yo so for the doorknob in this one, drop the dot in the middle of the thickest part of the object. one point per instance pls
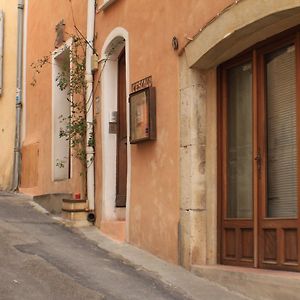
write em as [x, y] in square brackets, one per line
[258, 159]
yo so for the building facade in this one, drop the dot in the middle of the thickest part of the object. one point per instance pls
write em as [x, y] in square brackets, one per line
[47, 164]
[196, 125]
[219, 184]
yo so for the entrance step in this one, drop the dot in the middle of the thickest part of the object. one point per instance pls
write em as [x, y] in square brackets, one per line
[52, 202]
[114, 229]
[257, 284]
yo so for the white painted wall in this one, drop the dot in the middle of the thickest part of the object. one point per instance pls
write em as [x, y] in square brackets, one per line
[113, 45]
[109, 141]
[60, 106]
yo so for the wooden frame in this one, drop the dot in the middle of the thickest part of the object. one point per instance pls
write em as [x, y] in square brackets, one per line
[142, 108]
[279, 227]
[229, 224]
[121, 130]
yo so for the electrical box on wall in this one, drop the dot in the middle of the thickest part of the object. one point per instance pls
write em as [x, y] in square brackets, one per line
[113, 122]
[113, 116]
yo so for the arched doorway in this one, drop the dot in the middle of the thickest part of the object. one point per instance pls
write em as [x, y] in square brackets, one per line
[115, 145]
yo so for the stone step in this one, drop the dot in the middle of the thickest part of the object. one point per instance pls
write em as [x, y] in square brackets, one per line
[254, 283]
[114, 229]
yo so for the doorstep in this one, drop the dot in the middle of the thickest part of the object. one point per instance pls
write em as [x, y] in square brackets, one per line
[257, 284]
[115, 230]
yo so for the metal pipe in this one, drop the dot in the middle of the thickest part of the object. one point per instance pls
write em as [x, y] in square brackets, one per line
[17, 154]
[90, 106]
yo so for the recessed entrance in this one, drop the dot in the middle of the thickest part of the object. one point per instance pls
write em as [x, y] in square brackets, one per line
[259, 115]
[114, 132]
[121, 180]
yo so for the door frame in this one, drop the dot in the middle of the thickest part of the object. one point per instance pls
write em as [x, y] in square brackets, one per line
[255, 54]
[106, 104]
[290, 37]
[121, 198]
[232, 224]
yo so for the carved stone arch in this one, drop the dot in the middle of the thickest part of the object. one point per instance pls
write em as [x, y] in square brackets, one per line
[238, 28]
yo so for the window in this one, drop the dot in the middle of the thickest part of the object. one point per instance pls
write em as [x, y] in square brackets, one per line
[60, 111]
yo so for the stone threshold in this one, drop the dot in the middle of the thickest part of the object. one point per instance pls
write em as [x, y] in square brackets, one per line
[254, 283]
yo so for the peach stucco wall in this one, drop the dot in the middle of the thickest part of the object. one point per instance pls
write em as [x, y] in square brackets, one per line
[154, 194]
[42, 19]
[7, 99]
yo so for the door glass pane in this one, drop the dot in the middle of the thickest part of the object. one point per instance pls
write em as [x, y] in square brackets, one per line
[239, 203]
[281, 133]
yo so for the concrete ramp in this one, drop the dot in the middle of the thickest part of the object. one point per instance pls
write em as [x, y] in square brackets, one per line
[52, 202]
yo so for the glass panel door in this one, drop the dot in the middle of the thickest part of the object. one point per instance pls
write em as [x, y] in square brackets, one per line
[278, 228]
[237, 171]
[239, 203]
[259, 156]
[281, 133]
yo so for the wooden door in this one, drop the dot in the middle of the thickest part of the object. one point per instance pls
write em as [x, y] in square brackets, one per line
[259, 124]
[278, 104]
[236, 165]
[121, 180]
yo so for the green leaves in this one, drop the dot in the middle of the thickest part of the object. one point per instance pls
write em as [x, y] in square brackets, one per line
[72, 80]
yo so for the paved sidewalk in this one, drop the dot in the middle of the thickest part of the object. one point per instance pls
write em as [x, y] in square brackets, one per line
[169, 274]
[46, 260]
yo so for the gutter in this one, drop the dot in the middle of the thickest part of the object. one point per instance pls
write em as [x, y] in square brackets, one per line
[17, 150]
[90, 104]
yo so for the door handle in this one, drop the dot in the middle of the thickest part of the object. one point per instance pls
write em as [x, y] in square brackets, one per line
[258, 159]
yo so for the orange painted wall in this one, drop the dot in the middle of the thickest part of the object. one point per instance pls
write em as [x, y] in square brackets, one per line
[154, 201]
[42, 19]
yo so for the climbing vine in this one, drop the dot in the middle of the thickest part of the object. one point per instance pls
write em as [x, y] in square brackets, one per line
[71, 79]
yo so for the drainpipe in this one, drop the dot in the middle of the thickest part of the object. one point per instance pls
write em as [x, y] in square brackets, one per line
[17, 151]
[90, 106]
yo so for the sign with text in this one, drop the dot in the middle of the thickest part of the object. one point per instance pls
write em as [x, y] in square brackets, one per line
[141, 84]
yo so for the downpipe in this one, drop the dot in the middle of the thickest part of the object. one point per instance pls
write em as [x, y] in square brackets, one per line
[17, 149]
[90, 112]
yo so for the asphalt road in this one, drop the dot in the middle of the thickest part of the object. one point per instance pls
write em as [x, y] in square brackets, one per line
[42, 259]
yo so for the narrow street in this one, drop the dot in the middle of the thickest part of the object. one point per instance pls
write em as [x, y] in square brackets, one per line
[42, 259]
